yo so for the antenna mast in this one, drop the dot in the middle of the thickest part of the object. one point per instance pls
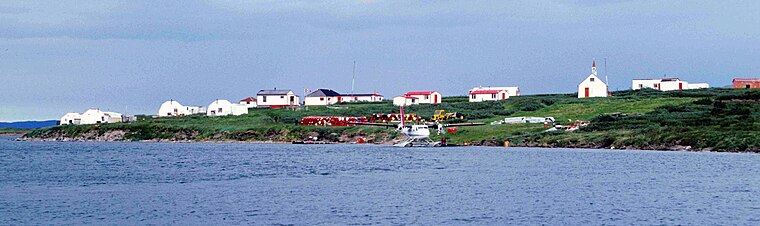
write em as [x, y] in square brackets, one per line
[606, 79]
[353, 78]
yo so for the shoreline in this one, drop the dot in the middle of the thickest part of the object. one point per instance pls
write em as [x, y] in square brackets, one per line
[658, 148]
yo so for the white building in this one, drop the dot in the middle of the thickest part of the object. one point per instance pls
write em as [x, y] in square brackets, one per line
[249, 102]
[479, 94]
[666, 84]
[172, 108]
[224, 107]
[592, 86]
[96, 116]
[405, 100]
[322, 97]
[373, 97]
[277, 98]
[71, 118]
[425, 97]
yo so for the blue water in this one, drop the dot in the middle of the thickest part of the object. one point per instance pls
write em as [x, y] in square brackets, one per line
[163, 183]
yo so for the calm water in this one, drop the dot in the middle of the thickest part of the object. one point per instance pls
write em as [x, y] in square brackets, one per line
[157, 183]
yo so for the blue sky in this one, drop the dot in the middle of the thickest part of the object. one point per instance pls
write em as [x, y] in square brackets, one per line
[63, 56]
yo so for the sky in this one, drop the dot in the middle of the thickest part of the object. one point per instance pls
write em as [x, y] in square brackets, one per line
[130, 56]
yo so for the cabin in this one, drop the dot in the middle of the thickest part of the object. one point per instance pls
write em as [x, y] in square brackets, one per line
[666, 84]
[96, 116]
[425, 97]
[405, 100]
[746, 83]
[224, 107]
[323, 97]
[480, 94]
[277, 99]
[172, 108]
[592, 86]
[249, 102]
[71, 118]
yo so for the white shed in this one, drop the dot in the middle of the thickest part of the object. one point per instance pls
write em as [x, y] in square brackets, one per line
[249, 102]
[71, 118]
[592, 86]
[224, 107]
[405, 100]
[425, 97]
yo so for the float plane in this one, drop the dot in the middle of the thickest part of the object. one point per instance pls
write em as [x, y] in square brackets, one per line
[416, 135]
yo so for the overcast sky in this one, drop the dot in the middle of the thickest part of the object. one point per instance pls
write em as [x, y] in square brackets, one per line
[62, 56]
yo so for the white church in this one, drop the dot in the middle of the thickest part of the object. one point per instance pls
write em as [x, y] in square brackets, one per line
[592, 86]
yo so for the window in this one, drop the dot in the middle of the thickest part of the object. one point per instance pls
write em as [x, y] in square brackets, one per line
[493, 96]
[264, 99]
[282, 97]
[247, 102]
[747, 86]
[473, 96]
[427, 97]
[321, 98]
[220, 110]
[591, 79]
[641, 86]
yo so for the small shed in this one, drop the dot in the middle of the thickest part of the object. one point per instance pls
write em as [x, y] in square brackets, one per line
[405, 100]
[746, 83]
[249, 102]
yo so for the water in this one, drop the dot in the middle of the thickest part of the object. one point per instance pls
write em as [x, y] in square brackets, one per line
[160, 183]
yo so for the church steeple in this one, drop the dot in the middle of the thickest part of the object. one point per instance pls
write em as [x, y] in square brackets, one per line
[593, 67]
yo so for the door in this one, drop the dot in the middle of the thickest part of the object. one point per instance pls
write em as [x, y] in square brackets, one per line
[435, 99]
[292, 100]
[587, 92]
[503, 96]
[680, 86]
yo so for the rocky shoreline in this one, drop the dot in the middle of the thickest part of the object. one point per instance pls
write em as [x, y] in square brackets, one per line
[118, 136]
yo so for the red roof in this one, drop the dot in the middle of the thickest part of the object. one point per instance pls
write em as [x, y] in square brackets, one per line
[746, 79]
[494, 91]
[428, 92]
[249, 99]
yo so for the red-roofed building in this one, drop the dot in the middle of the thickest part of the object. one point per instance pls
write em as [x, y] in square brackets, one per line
[480, 94]
[426, 97]
[249, 102]
[746, 83]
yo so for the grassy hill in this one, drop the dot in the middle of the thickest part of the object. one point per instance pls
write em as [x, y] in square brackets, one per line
[708, 119]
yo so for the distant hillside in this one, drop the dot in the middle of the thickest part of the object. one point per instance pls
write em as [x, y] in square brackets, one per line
[28, 124]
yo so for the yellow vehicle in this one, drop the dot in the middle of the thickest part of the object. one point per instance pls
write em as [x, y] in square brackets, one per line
[441, 115]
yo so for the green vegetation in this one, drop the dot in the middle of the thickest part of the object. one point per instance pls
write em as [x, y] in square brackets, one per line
[13, 131]
[708, 119]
